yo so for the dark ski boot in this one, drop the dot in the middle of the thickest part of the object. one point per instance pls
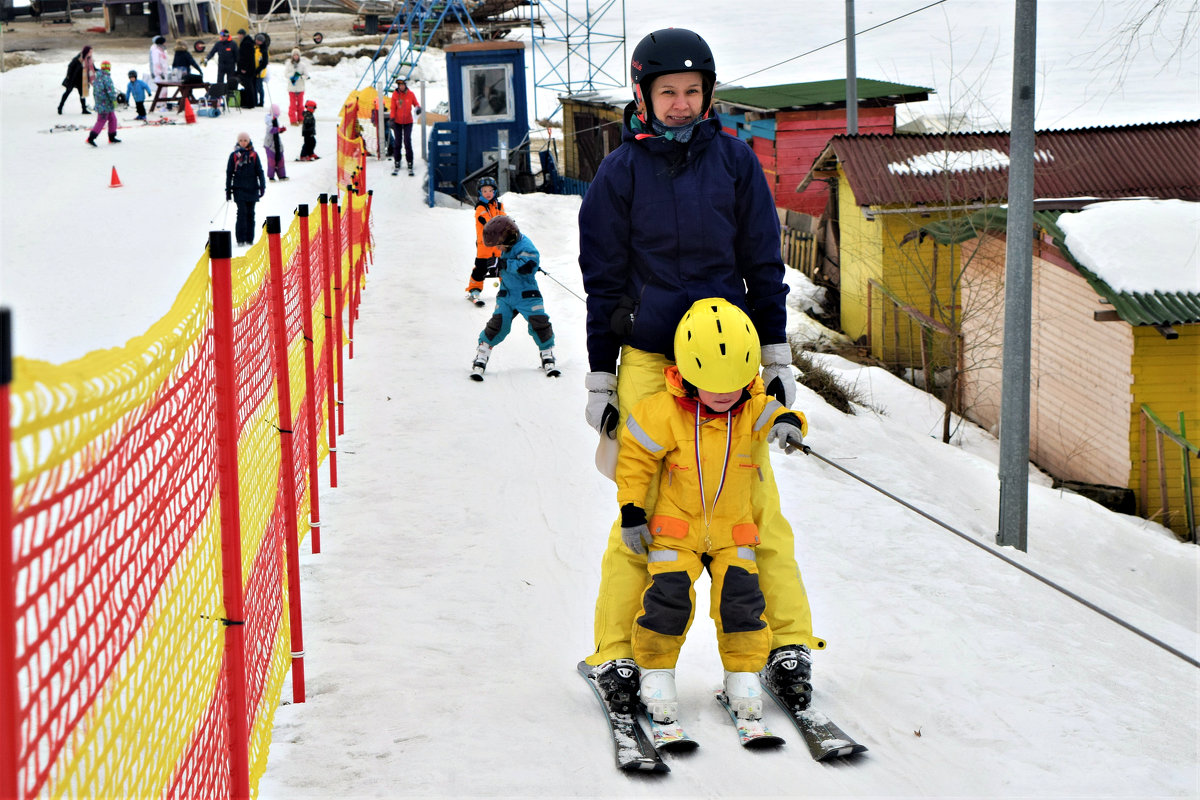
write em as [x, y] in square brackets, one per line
[619, 683]
[788, 675]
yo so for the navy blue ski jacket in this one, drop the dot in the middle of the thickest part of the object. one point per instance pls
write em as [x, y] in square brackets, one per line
[665, 224]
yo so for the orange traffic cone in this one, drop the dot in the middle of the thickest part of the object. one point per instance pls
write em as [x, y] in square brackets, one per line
[189, 116]
[115, 183]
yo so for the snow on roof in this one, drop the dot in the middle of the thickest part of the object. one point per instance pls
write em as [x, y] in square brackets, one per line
[1138, 245]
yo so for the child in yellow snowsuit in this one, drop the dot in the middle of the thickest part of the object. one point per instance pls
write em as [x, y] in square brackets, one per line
[699, 431]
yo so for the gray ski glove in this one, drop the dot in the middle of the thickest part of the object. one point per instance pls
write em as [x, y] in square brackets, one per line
[634, 532]
[777, 372]
[601, 411]
[788, 433]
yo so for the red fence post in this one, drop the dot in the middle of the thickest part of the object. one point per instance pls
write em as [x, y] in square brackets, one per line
[353, 270]
[220, 252]
[327, 277]
[287, 457]
[338, 289]
[10, 702]
[313, 403]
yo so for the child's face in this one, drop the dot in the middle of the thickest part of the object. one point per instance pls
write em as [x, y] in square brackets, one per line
[677, 99]
[719, 401]
[488, 192]
[243, 141]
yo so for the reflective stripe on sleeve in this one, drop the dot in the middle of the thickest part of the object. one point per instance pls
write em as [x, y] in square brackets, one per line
[747, 553]
[669, 555]
[765, 416]
[642, 438]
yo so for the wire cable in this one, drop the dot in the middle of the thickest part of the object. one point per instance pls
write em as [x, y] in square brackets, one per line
[1011, 562]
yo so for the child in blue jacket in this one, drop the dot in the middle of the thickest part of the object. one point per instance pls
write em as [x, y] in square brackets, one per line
[137, 91]
[519, 294]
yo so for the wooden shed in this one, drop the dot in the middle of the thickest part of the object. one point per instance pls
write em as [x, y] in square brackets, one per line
[788, 126]
[1115, 376]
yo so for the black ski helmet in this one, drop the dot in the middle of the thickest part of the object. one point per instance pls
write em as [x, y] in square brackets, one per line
[672, 50]
[488, 181]
[501, 230]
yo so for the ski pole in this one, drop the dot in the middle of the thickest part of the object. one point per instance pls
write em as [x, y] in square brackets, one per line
[223, 206]
[560, 283]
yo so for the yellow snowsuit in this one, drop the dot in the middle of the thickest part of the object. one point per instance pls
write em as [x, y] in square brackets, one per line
[702, 518]
[623, 574]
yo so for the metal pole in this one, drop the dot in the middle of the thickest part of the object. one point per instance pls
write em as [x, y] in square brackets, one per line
[1014, 393]
[424, 134]
[502, 166]
[851, 73]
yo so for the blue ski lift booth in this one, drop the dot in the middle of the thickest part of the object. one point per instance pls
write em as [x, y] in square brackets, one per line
[489, 120]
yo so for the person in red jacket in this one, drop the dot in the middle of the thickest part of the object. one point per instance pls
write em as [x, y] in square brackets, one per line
[400, 110]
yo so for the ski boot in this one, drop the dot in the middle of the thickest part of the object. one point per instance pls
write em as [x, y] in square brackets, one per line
[410, 170]
[482, 353]
[112, 139]
[92, 140]
[618, 684]
[659, 696]
[396, 170]
[548, 363]
[744, 693]
[788, 674]
[474, 297]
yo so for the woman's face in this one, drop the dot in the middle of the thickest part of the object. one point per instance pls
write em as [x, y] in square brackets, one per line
[678, 98]
[243, 141]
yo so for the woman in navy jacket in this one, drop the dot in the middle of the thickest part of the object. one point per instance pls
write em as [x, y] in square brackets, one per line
[245, 185]
[679, 212]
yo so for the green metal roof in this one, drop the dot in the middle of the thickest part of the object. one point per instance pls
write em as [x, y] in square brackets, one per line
[1136, 308]
[820, 94]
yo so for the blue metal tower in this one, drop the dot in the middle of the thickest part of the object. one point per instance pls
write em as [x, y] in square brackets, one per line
[413, 28]
[577, 52]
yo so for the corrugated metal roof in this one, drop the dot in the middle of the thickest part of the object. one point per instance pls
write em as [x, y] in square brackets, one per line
[1136, 308]
[820, 94]
[1159, 160]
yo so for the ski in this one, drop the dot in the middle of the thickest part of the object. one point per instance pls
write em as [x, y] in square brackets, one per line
[670, 737]
[825, 740]
[633, 748]
[551, 371]
[752, 733]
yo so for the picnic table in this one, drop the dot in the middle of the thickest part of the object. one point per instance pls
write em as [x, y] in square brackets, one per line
[176, 91]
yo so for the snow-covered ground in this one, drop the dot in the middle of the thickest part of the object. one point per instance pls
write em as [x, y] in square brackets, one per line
[461, 550]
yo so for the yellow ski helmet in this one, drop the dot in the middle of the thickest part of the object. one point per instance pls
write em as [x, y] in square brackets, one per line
[716, 346]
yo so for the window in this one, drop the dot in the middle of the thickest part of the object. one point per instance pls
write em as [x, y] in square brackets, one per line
[487, 93]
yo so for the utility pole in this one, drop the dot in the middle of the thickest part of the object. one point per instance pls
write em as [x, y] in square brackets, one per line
[1018, 289]
[851, 73]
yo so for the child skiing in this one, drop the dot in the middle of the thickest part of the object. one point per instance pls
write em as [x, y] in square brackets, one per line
[486, 207]
[693, 440]
[245, 185]
[401, 107]
[273, 144]
[106, 104]
[309, 131]
[519, 294]
[137, 91]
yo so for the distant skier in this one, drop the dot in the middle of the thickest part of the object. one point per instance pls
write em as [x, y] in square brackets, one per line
[401, 107]
[226, 54]
[106, 105]
[136, 92]
[296, 72]
[308, 129]
[691, 442]
[487, 206]
[519, 294]
[245, 185]
[273, 145]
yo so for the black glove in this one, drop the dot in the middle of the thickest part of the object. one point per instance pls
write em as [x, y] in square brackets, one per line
[228, 195]
[261, 192]
[634, 531]
[527, 268]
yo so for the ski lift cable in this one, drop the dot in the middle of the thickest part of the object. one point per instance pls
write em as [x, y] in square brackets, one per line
[1011, 562]
[837, 41]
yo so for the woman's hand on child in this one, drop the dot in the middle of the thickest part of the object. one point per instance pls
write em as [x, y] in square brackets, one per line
[601, 412]
[777, 372]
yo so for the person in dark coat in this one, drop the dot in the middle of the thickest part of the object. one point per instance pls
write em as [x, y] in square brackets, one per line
[245, 185]
[247, 68]
[80, 74]
[184, 60]
[226, 54]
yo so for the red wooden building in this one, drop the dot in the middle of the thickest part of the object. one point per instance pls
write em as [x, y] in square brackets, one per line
[789, 125]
